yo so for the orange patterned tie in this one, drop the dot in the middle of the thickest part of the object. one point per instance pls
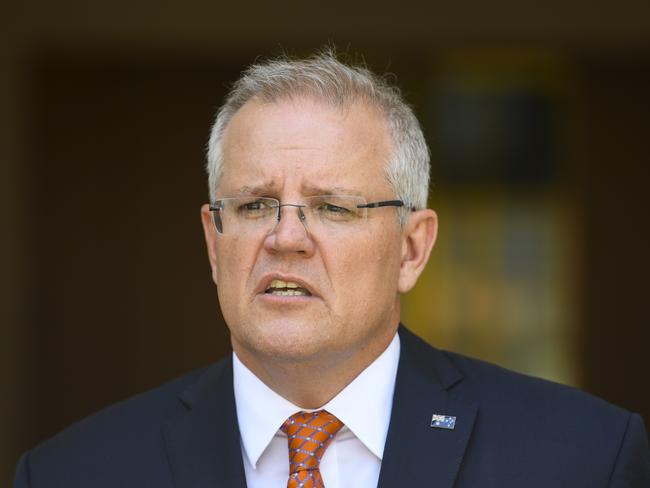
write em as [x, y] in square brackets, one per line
[309, 435]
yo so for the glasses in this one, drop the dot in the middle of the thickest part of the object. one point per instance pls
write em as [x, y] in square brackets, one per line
[260, 215]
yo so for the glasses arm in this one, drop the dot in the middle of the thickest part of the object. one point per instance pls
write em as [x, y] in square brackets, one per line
[385, 203]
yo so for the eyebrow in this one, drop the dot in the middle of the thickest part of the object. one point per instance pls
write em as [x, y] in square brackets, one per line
[309, 190]
[333, 190]
[258, 190]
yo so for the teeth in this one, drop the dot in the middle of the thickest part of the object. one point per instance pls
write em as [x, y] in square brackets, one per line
[288, 293]
[286, 289]
[283, 284]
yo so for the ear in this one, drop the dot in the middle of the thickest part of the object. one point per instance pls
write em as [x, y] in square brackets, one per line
[210, 234]
[418, 238]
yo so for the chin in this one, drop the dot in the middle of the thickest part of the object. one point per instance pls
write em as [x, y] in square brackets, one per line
[286, 340]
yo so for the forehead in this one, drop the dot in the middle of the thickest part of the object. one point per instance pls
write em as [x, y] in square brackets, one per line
[306, 143]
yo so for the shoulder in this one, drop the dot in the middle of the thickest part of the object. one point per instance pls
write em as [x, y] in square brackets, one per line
[131, 417]
[496, 387]
[124, 437]
[506, 389]
[536, 423]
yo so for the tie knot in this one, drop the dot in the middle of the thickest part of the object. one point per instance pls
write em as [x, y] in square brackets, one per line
[309, 434]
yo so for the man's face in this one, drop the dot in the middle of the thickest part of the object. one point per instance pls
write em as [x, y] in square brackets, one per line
[290, 150]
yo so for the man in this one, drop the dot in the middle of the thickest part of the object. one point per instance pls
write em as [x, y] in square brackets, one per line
[318, 177]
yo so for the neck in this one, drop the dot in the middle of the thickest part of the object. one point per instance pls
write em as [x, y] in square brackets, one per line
[310, 383]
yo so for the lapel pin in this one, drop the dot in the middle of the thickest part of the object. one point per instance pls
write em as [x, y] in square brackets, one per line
[443, 422]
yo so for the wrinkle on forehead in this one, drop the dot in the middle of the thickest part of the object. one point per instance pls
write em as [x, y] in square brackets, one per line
[307, 189]
[301, 112]
[315, 148]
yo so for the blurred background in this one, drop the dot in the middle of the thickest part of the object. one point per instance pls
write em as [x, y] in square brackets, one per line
[537, 118]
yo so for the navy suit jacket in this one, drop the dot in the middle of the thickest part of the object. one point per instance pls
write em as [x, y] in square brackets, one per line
[511, 431]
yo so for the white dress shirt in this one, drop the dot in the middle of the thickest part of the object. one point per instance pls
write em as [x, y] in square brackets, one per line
[354, 456]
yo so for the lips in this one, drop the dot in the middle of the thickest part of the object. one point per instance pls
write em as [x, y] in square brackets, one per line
[285, 287]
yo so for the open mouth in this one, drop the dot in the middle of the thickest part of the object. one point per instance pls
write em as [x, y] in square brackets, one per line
[286, 289]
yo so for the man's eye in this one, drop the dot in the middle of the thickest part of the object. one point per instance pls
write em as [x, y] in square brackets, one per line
[336, 213]
[253, 206]
[334, 209]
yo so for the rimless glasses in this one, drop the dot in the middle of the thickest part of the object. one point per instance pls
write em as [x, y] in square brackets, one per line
[260, 215]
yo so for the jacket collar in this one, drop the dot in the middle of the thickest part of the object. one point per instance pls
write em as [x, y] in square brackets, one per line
[427, 384]
[203, 441]
[201, 433]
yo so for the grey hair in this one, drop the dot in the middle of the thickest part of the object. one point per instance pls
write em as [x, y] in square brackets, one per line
[325, 78]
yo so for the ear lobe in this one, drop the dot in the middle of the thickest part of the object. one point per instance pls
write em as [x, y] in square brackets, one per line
[210, 234]
[419, 237]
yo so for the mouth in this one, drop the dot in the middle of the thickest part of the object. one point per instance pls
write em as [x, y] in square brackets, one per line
[283, 288]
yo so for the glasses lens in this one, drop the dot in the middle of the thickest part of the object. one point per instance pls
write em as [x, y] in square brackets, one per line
[337, 209]
[217, 212]
[244, 215]
[253, 215]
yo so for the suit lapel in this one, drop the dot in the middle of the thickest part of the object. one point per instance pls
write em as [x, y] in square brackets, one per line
[202, 434]
[416, 453]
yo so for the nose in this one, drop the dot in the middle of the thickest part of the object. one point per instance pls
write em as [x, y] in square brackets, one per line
[290, 233]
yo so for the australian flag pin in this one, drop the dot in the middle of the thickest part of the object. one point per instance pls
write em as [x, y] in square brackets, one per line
[443, 422]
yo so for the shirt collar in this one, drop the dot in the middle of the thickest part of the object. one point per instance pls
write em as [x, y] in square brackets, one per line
[364, 406]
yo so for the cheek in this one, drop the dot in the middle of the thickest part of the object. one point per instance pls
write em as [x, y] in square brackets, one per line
[232, 274]
[234, 261]
[369, 274]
